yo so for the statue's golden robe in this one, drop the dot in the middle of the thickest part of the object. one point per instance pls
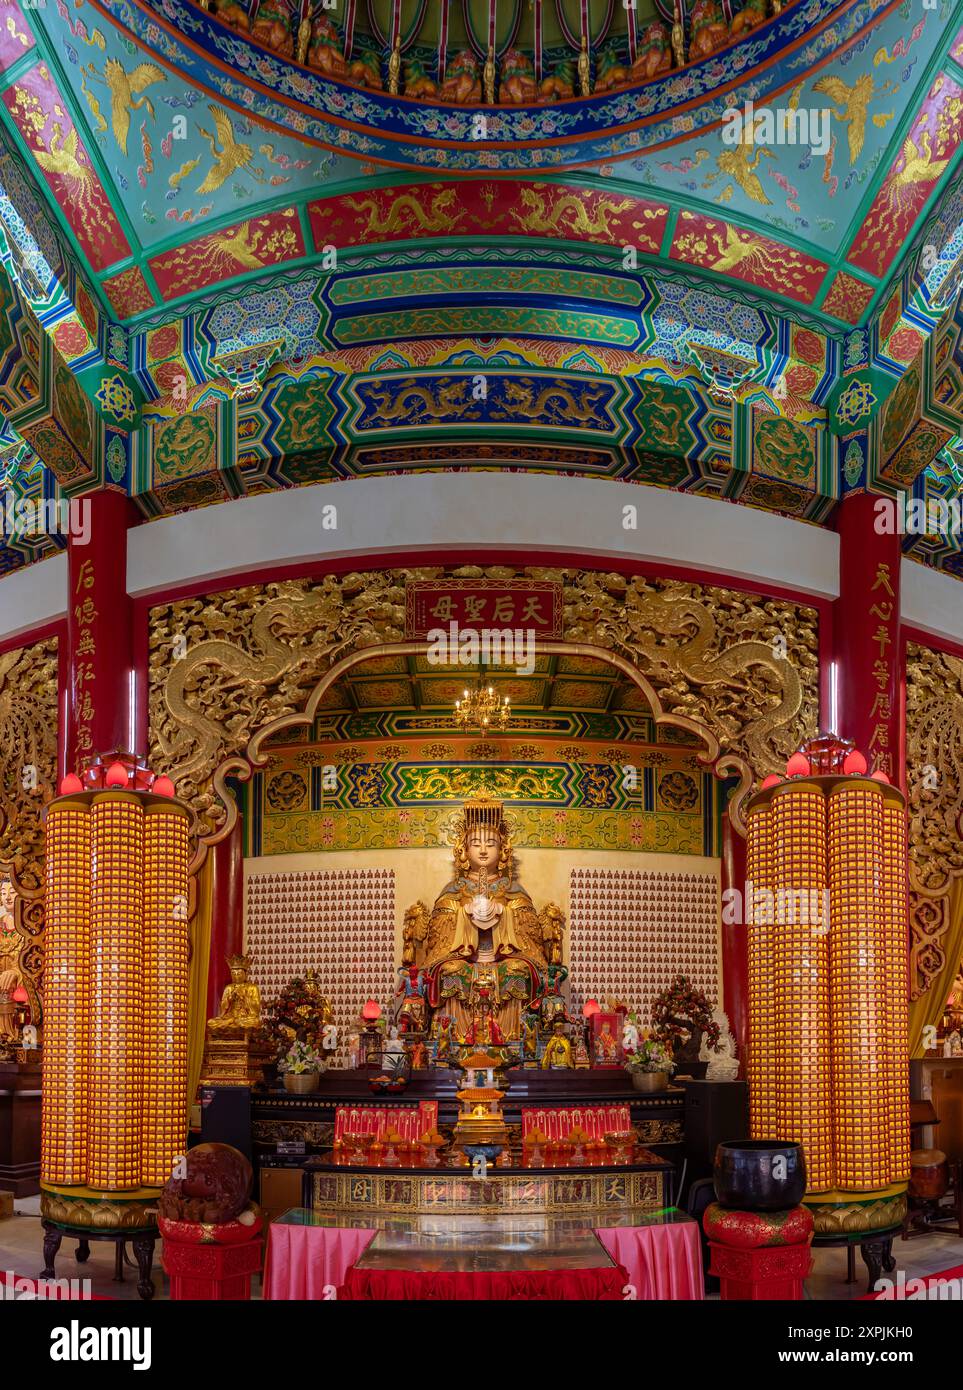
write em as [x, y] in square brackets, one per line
[451, 932]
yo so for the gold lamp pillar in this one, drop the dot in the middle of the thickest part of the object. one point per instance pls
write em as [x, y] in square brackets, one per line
[828, 993]
[115, 1103]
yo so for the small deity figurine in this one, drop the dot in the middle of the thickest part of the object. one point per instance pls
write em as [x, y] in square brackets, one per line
[551, 1003]
[518, 85]
[414, 932]
[489, 72]
[10, 945]
[606, 1048]
[708, 27]
[462, 83]
[584, 70]
[411, 1014]
[722, 1060]
[394, 71]
[446, 1040]
[678, 36]
[393, 1050]
[551, 920]
[323, 51]
[419, 1055]
[558, 1049]
[240, 1002]
[612, 73]
[581, 1049]
[273, 26]
[484, 1030]
[630, 1037]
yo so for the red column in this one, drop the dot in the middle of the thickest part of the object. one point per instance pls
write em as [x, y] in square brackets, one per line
[735, 953]
[101, 688]
[866, 645]
[227, 912]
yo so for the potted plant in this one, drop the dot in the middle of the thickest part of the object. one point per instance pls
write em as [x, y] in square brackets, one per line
[650, 1066]
[300, 1067]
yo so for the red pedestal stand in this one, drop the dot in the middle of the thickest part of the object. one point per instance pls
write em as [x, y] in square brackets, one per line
[211, 1262]
[758, 1255]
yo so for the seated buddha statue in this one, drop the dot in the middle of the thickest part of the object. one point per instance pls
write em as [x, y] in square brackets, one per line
[240, 1002]
[484, 944]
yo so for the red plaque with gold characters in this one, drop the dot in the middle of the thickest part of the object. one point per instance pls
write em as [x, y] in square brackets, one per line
[534, 605]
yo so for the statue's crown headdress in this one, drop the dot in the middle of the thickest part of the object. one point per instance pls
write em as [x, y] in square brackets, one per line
[239, 962]
[483, 811]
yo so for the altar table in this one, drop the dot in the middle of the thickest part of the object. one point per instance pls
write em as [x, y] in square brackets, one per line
[602, 1283]
[663, 1261]
[654, 1255]
[310, 1261]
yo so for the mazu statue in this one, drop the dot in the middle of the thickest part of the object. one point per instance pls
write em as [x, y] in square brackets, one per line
[483, 955]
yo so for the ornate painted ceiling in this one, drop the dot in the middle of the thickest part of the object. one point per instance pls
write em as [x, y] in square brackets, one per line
[273, 244]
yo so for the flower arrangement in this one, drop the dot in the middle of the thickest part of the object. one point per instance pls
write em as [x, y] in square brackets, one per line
[651, 1055]
[301, 1059]
[682, 1016]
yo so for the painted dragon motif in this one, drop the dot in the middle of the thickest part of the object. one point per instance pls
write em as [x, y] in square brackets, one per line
[576, 406]
[409, 214]
[569, 215]
[416, 404]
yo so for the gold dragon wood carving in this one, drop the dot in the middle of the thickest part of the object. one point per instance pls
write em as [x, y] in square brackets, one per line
[934, 755]
[226, 665]
[28, 756]
[29, 708]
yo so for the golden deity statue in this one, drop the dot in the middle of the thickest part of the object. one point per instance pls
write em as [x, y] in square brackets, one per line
[584, 69]
[240, 1002]
[558, 1049]
[394, 71]
[488, 77]
[10, 977]
[483, 952]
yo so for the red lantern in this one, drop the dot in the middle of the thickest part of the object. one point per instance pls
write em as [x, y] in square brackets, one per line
[880, 777]
[798, 766]
[163, 786]
[772, 780]
[591, 1007]
[116, 776]
[71, 785]
[854, 762]
[371, 1011]
[20, 995]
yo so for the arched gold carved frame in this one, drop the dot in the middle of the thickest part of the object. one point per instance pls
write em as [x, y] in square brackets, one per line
[242, 768]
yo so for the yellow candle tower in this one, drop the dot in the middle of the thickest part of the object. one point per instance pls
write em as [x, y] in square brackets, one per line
[115, 1099]
[828, 982]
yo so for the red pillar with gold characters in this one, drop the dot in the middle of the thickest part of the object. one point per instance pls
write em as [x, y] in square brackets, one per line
[103, 686]
[866, 660]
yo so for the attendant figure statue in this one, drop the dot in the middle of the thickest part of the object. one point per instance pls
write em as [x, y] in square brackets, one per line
[415, 931]
[552, 920]
[488, 77]
[394, 71]
[558, 1049]
[584, 70]
[411, 1014]
[240, 1002]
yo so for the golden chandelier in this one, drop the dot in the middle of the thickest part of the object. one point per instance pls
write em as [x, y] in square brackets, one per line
[480, 708]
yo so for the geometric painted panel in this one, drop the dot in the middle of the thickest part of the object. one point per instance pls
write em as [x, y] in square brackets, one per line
[340, 922]
[631, 931]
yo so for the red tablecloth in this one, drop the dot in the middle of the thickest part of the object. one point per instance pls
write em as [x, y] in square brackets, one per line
[663, 1262]
[603, 1283]
[310, 1262]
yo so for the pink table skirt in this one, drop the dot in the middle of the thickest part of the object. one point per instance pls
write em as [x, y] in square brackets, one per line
[310, 1262]
[663, 1262]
